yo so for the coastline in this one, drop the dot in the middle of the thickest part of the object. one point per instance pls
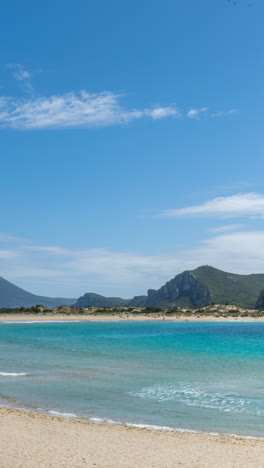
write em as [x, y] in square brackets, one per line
[31, 439]
[121, 317]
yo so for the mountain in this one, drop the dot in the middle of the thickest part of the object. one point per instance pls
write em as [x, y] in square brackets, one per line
[138, 301]
[185, 290]
[204, 285]
[190, 289]
[95, 300]
[260, 300]
[12, 296]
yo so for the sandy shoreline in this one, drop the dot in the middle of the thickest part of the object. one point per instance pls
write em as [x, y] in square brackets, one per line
[116, 318]
[30, 440]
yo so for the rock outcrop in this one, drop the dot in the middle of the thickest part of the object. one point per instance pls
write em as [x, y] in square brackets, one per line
[260, 300]
[184, 290]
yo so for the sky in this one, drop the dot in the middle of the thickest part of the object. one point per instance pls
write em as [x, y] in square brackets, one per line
[131, 142]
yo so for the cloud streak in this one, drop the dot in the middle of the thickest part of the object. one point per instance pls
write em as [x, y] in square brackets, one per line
[249, 205]
[225, 113]
[195, 113]
[226, 228]
[74, 110]
[80, 109]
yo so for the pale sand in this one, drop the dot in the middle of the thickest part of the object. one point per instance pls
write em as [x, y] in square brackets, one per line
[121, 317]
[32, 440]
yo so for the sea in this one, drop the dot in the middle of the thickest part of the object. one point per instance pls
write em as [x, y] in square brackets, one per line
[185, 376]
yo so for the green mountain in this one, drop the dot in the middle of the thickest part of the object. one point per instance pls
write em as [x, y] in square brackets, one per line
[204, 285]
[95, 300]
[190, 289]
[12, 296]
[231, 288]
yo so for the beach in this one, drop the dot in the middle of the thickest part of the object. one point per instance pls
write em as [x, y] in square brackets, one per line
[114, 393]
[30, 440]
[121, 317]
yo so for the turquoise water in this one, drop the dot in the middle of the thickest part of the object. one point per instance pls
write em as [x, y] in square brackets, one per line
[184, 375]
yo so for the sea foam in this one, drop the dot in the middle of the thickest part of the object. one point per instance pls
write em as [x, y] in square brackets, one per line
[62, 415]
[192, 395]
[13, 374]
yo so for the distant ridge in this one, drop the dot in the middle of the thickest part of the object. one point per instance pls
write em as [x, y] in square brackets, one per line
[11, 296]
[206, 284]
[193, 289]
[92, 299]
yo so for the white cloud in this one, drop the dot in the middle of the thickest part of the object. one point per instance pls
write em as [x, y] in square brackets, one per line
[239, 205]
[73, 110]
[225, 113]
[195, 113]
[161, 112]
[226, 228]
[22, 75]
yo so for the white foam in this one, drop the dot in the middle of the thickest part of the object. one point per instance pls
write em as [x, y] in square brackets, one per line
[151, 426]
[13, 374]
[39, 321]
[173, 429]
[139, 425]
[193, 395]
[63, 415]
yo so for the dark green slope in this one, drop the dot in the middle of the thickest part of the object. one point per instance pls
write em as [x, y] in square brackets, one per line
[230, 288]
[12, 296]
[204, 285]
[95, 300]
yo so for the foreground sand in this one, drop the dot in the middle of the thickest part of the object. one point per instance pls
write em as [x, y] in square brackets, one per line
[122, 317]
[30, 440]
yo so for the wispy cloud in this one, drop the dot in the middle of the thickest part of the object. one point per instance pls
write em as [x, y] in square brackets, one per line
[226, 228]
[239, 205]
[23, 76]
[80, 109]
[195, 113]
[225, 113]
[74, 110]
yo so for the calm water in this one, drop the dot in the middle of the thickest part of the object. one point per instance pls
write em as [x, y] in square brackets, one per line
[195, 376]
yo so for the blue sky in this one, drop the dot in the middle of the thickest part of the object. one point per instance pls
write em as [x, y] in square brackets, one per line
[131, 142]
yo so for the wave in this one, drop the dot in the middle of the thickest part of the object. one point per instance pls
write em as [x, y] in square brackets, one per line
[62, 415]
[196, 396]
[13, 374]
[170, 429]
[38, 321]
[94, 420]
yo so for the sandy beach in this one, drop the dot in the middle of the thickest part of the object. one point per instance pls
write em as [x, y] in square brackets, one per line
[30, 440]
[121, 317]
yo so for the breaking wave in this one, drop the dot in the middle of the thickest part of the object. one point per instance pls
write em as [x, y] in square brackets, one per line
[62, 415]
[13, 374]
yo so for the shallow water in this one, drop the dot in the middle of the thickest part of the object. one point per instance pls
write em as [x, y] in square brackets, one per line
[191, 376]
